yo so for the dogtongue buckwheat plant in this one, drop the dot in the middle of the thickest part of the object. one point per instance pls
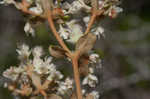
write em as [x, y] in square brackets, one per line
[37, 77]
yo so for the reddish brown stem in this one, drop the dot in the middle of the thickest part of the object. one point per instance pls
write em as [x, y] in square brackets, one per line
[95, 13]
[77, 77]
[59, 39]
[92, 20]
[74, 60]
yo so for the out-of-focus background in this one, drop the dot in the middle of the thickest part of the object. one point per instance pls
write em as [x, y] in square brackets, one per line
[125, 49]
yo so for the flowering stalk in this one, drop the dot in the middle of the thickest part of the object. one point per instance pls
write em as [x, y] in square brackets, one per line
[74, 59]
[95, 13]
[37, 75]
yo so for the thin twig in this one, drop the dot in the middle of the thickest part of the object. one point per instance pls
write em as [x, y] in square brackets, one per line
[24, 8]
[95, 12]
[92, 20]
[52, 26]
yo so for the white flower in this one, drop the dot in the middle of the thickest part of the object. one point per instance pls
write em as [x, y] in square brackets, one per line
[30, 1]
[58, 75]
[64, 32]
[76, 30]
[52, 68]
[55, 75]
[48, 61]
[7, 2]
[12, 73]
[118, 9]
[42, 67]
[65, 86]
[91, 70]
[99, 31]
[83, 91]
[23, 51]
[51, 77]
[69, 83]
[86, 20]
[28, 29]
[39, 65]
[5, 85]
[46, 67]
[101, 4]
[37, 10]
[95, 94]
[37, 51]
[91, 80]
[93, 57]
[113, 11]
[62, 88]
[75, 7]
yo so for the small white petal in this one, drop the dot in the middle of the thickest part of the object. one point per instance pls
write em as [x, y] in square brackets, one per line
[11, 73]
[64, 32]
[37, 51]
[86, 20]
[91, 70]
[38, 9]
[76, 31]
[93, 57]
[7, 2]
[28, 29]
[23, 51]
[90, 80]
[95, 94]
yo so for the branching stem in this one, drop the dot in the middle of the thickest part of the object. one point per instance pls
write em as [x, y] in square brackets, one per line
[92, 20]
[77, 77]
[73, 55]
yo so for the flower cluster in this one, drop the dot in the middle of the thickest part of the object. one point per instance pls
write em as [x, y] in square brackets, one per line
[65, 86]
[37, 74]
[33, 72]
[91, 79]
[74, 31]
